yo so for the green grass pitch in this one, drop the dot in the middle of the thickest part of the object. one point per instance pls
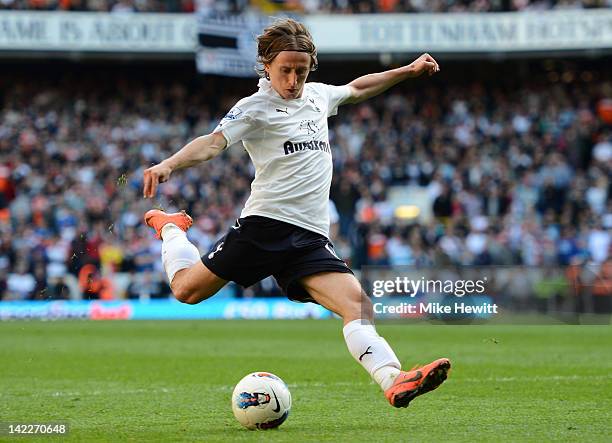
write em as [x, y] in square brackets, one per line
[172, 381]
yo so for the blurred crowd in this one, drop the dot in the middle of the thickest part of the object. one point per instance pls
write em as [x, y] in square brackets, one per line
[302, 6]
[509, 176]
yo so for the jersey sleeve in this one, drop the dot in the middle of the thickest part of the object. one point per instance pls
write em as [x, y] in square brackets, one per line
[335, 96]
[242, 121]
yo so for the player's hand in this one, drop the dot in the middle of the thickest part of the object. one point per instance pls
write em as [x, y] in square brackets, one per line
[159, 173]
[424, 64]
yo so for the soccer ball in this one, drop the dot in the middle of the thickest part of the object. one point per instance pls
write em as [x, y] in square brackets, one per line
[261, 401]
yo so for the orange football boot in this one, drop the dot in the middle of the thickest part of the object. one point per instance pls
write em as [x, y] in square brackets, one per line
[157, 219]
[418, 381]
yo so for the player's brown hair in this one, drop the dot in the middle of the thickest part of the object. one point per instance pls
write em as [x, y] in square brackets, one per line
[284, 35]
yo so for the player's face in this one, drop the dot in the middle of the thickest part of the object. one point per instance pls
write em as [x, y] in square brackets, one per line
[288, 73]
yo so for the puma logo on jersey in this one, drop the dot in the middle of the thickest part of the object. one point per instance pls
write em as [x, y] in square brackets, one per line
[283, 110]
[212, 254]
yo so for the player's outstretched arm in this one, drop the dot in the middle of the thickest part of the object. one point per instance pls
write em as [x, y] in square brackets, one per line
[373, 84]
[196, 151]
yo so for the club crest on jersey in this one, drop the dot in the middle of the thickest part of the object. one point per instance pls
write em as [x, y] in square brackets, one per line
[309, 127]
[312, 102]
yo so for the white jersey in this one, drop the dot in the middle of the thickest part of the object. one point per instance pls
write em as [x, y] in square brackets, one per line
[288, 143]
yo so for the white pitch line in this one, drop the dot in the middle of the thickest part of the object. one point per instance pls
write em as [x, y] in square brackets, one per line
[538, 378]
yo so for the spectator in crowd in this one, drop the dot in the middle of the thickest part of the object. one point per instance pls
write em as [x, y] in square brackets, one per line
[20, 284]
[146, 286]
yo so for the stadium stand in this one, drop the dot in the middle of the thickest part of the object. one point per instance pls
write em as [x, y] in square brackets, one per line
[303, 6]
[516, 171]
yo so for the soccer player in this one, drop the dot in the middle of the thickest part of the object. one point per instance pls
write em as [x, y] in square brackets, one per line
[284, 227]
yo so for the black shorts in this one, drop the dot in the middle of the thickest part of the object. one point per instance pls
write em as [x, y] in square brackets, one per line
[257, 247]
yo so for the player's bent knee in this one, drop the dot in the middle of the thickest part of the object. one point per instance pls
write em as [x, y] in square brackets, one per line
[181, 293]
[190, 295]
[187, 298]
[195, 284]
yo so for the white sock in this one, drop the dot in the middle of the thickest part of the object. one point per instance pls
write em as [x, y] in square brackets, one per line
[372, 352]
[177, 252]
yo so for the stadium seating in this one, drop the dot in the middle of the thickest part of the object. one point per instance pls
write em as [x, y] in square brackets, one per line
[303, 6]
